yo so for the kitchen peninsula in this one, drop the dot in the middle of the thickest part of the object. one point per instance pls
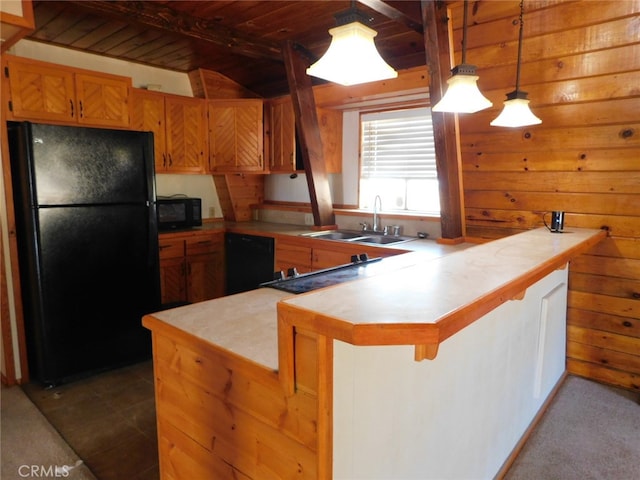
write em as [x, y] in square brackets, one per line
[434, 369]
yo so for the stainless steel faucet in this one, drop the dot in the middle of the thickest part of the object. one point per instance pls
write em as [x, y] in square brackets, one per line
[377, 203]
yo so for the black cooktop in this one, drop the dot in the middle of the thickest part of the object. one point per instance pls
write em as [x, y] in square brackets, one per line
[361, 267]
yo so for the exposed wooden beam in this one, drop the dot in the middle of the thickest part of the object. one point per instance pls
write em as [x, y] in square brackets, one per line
[393, 13]
[445, 132]
[161, 17]
[304, 108]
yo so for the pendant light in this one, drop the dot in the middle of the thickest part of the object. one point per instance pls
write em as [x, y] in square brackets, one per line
[463, 95]
[352, 57]
[516, 112]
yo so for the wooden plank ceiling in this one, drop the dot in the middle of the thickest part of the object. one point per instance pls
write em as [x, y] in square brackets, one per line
[239, 39]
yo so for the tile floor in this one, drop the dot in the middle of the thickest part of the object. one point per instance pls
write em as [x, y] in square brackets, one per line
[108, 419]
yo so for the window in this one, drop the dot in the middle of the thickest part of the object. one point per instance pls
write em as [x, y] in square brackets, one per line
[398, 161]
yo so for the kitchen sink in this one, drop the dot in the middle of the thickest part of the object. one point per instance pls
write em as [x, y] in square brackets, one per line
[382, 239]
[334, 235]
[358, 237]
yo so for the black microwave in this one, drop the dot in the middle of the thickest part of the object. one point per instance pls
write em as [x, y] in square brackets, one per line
[178, 212]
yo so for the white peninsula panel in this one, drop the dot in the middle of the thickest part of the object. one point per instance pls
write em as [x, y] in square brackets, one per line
[460, 415]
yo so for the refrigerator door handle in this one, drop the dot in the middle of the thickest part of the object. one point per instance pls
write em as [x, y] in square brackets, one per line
[152, 241]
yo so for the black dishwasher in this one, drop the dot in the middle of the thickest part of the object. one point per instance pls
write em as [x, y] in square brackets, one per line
[249, 261]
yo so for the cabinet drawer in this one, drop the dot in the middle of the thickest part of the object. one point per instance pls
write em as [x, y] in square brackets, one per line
[204, 244]
[171, 248]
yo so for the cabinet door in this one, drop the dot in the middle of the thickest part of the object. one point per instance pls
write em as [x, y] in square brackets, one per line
[282, 149]
[330, 125]
[283, 143]
[290, 255]
[330, 258]
[205, 267]
[41, 92]
[204, 277]
[235, 135]
[102, 100]
[186, 134]
[173, 280]
[172, 271]
[147, 115]
[340, 255]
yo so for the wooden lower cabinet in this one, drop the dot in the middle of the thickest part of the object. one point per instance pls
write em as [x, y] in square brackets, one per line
[306, 255]
[221, 416]
[191, 268]
[290, 254]
[326, 258]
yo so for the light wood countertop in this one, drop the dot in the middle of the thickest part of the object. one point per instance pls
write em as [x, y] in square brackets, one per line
[244, 324]
[430, 296]
[425, 303]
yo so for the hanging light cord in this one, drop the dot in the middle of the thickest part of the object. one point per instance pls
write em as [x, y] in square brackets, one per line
[464, 33]
[519, 47]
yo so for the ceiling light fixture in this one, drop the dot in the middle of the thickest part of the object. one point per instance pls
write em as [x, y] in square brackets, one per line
[352, 57]
[463, 95]
[516, 112]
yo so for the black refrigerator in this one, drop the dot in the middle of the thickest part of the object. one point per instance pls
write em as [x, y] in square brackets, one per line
[87, 245]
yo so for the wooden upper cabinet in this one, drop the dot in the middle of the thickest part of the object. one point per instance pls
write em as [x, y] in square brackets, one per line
[330, 125]
[235, 135]
[186, 133]
[282, 137]
[179, 127]
[39, 91]
[147, 115]
[45, 91]
[102, 100]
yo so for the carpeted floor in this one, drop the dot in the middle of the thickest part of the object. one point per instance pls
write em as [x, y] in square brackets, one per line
[31, 447]
[590, 431]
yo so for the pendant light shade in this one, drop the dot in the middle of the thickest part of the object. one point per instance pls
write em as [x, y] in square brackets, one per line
[352, 57]
[463, 94]
[516, 111]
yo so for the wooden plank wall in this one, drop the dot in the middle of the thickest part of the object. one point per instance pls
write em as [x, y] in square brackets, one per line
[581, 67]
[221, 416]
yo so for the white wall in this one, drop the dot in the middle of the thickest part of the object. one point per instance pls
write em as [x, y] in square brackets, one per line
[283, 188]
[460, 415]
[13, 7]
[141, 75]
[350, 151]
[199, 186]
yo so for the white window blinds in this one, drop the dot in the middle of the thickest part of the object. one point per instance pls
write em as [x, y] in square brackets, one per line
[398, 144]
